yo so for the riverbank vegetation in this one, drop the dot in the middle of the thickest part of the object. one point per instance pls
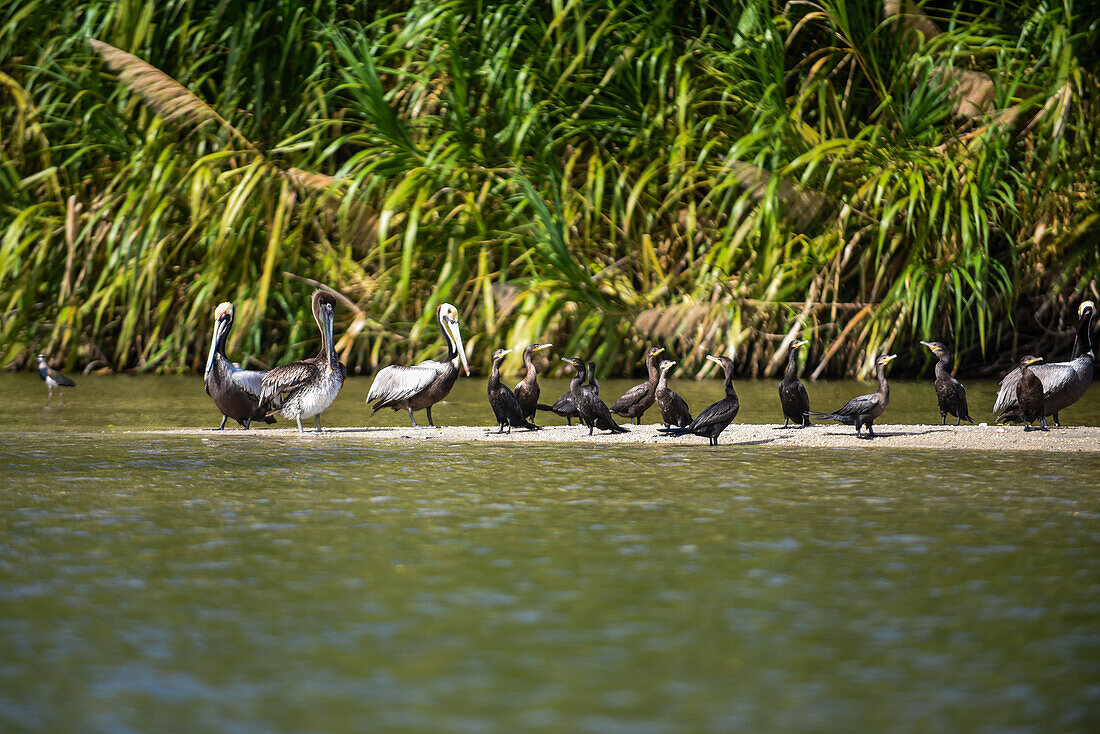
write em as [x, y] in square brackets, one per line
[711, 176]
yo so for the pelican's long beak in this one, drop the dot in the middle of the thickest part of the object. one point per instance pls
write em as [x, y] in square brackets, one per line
[221, 323]
[456, 334]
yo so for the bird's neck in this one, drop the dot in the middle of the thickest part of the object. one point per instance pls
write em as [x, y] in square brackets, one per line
[494, 375]
[792, 367]
[1082, 343]
[651, 369]
[942, 368]
[883, 385]
[529, 363]
[662, 381]
[730, 392]
[577, 381]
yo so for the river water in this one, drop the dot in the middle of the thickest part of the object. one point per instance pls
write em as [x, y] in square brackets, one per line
[183, 583]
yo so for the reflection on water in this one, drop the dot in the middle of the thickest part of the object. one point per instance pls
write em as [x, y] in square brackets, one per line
[285, 585]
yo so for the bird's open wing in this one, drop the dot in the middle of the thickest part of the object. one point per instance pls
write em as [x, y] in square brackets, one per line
[630, 397]
[396, 383]
[1054, 376]
[859, 406]
[251, 381]
[285, 378]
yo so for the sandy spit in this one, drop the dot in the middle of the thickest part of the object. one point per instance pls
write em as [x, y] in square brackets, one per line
[1078, 439]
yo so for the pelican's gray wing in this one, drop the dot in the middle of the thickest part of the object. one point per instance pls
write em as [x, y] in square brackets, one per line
[250, 381]
[285, 378]
[1054, 376]
[397, 383]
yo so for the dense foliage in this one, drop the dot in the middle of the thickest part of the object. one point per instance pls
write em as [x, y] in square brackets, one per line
[712, 176]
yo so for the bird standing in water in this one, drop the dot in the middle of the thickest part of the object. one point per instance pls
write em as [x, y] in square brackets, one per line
[638, 399]
[53, 379]
[305, 389]
[674, 409]
[235, 392]
[503, 401]
[949, 392]
[527, 391]
[1029, 395]
[792, 393]
[718, 415]
[863, 411]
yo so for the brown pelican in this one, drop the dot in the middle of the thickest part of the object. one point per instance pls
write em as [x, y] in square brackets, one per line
[527, 391]
[638, 399]
[949, 391]
[674, 409]
[863, 411]
[425, 384]
[1063, 382]
[593, 411]
[718, 415]
[235, 392]
[503, 401]
[792, 393]
[304, 389]
[1029, 395]
[53, 379]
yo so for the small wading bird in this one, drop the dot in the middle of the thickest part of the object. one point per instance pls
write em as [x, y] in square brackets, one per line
[53, 379]
[564, 406]
[1029, 395]
[527, 391]
[638, 399]
[792, 393]
[235, 392]
[863, 411]
[505, 405]
[592, 411]
[716, 416]
[305, 389]
[421, 386]
[674, 409]
[1063, 382]
[949, 392]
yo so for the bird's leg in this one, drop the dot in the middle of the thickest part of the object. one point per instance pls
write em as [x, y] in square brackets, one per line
[1056, 421]
[500, 428]
[958, 420]
[870, 431]
[247, 422]
[299, 419]
[590, 427]
[786, 420]
[430, 417]
[222, 426]
[943, 419]
[61, 393]
[1043, 421]
[509, 428]
[569, 420]
[50, 396]
[318, 416]
[411, 417]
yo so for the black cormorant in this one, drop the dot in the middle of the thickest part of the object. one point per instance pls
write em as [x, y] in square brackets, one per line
[715, 417]
[527, 391]
[674, 409]
[421, 386]
[949, 391]
[305, 389]
[863, 411]
[637, 400]
[592, 411]
[1063, 382]
[1029, 395]
[792, 393]
[235, 392]
[505, 406]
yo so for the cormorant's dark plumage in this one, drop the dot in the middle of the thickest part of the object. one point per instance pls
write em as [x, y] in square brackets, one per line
[674, 409]
[235, 392]
[592, 411]
[638, 399]
[863, 411]
[527, 391]
[949, 392]
[715, 417]
[505, 406]
[564, 406]
[1029, 395]
[792, 393]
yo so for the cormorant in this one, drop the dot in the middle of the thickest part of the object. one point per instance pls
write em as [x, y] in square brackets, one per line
[715, 417]
[592, 385]
[306, 388]
[505, 405]
[949, 391]
[1063, 382]
[674, 409]
[1029, 395]
[235, 392]
[639, 398]
[527, 391]
[592, 411]
[863, 411]
[564, 406]
[792, 393]
[53, 379]
[425, 384]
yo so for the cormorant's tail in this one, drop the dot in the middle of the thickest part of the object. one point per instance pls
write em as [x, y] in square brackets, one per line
[845, 419]
[548, 408]
[616, 428]
[674, 431]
